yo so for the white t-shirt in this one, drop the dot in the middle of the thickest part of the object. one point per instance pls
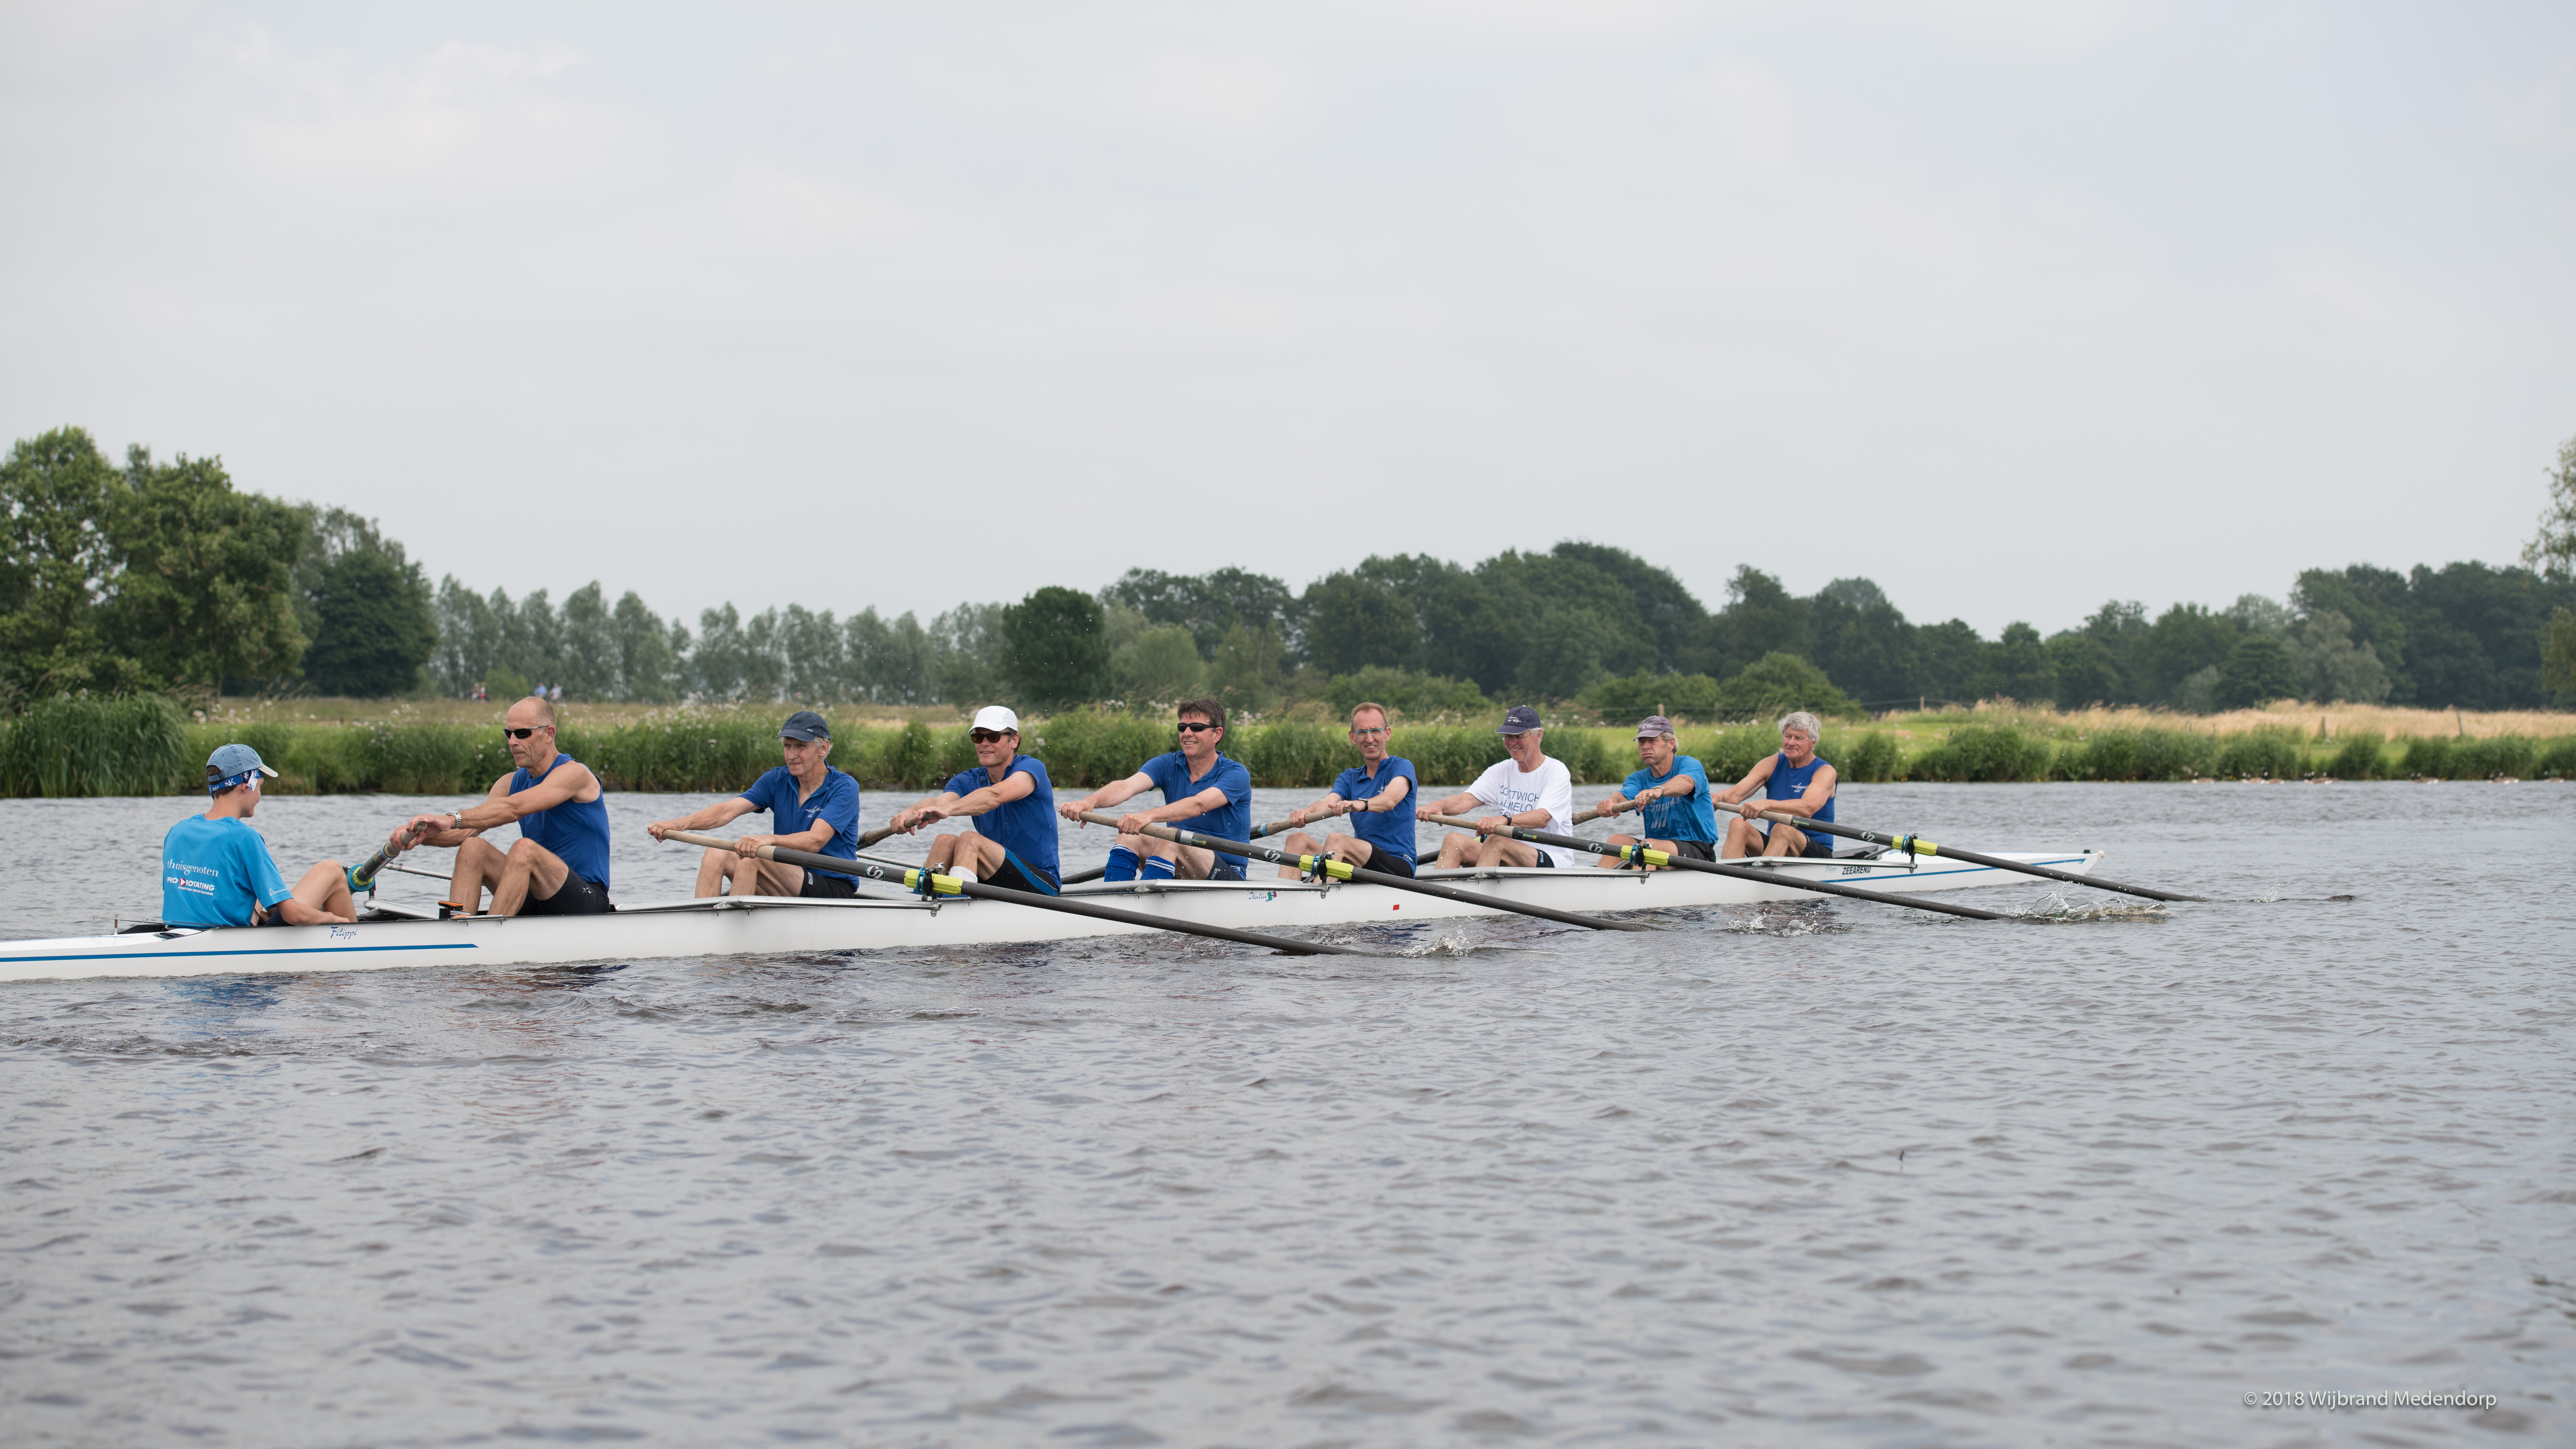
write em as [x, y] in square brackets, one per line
[1550, 787]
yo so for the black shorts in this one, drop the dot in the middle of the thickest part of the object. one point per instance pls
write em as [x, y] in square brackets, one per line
[1226, 868]
[578, 896]
[1018, 875]
[1821, 847]
[1694, 850]
[1387, 862]
[827, 888]
[276, 916]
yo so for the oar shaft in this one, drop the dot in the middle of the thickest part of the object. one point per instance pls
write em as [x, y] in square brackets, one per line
[1915, 844]
[1341, 871]
[1764, 877]
[911, 879]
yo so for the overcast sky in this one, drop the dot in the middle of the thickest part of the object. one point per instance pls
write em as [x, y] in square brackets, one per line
[2010, 305]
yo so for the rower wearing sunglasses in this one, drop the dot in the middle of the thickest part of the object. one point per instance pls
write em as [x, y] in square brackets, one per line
[814, 807]
[559, 864]
[1196, 782]
[1011, 805]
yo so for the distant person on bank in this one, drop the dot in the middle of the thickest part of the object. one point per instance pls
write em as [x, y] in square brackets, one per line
[1529, 789]
[1010, 803]
[1678, 819]
[816, 810]
[1793, 782]
[1197, 784]
[559, 864]
[216, 870]
[1379, 790]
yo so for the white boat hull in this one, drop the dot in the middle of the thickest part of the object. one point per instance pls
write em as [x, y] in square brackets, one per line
[777, 926]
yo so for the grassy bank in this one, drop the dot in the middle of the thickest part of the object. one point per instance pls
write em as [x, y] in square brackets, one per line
[147, 747]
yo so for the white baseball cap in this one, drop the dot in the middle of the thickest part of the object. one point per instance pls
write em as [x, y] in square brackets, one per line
[997, 719]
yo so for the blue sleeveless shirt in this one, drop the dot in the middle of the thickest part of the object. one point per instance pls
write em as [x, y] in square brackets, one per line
[575, 832]
[1788, 784]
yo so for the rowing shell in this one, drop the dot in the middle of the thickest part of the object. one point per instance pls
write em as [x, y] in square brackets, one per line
[391, 936]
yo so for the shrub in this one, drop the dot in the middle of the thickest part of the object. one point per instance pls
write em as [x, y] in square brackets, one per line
[1411, 693]
[1728, 755]
[2361, 756]
[1296, 753]
[2428, 757]
[1681, 696]
[2270, 753]
[2557, 758]
[1986, 752]
[2495, 755]
[1869, 760]
[1777, 683]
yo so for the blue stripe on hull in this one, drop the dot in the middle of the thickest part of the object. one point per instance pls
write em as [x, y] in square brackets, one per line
[275, 951]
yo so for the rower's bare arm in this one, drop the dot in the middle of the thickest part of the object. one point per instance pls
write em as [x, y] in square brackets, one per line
[723, 812]
[1018, 785]
[1742, 790]
[1456, 805]
[1385, 801]
[1115, 792]
[930, 811]
[447, 831]
[1329, 805]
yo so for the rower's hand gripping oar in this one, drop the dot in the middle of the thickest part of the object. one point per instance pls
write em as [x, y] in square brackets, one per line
[1917, 845]
[362, 876]
[1638, 854]
[930, 883]
[1326, 865]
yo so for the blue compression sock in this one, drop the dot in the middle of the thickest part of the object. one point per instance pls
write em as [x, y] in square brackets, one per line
[1122, 865]
[1156, 868]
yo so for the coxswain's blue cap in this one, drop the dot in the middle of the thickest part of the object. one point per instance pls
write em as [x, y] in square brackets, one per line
[805, 725]
[232, 765]
[1519, 720]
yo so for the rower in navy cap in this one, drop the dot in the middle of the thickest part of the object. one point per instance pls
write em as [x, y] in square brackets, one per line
[814, 807]
[1528, 788]
[216, 870]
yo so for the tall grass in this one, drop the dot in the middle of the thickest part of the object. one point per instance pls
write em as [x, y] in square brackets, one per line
[65, 747]
[1986, 752]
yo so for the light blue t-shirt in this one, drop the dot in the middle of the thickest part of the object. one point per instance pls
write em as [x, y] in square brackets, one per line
[1690, 818]
[835, 801]
[1230, 821]
[213, 871]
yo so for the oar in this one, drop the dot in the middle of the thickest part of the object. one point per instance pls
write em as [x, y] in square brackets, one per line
[362, 876]
[1917, 845]
[1344, 870]
[949, 885]
[1639, 853]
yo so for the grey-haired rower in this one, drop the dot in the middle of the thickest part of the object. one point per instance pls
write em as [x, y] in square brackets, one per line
[1793, 782]
[216, 870]
[814, 807]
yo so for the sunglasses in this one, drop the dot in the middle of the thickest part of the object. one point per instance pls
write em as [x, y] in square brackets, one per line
[983, 737]
[1194, 726]
[525, 733]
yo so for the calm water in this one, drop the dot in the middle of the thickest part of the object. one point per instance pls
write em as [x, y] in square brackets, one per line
[1792, 1176]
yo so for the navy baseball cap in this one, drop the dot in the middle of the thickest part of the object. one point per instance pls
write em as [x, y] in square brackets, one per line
[805, 725]
[1519, 720]
[232, 765]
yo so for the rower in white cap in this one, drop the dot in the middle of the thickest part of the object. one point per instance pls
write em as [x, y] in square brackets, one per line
[1012, 804]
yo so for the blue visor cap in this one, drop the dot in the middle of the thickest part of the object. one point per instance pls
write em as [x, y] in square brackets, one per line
[232, 765]
[805, 725]
[1519, 721]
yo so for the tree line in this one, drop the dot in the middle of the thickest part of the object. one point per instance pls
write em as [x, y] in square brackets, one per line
[162, 575]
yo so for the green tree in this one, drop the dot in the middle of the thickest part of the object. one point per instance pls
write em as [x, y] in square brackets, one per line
[2558, 654]
[1054, 651]
[1760, 617]
[967, 646]
[1775, 684]
[2553, 549]
[1670, 613]
[205, 585]
[1681, 696]
[2017, 667]
[648, 654]
[1159, 666]
[2087, 672]
[375, 631]
[2258, 670]
[57, 562]
[2184, 640]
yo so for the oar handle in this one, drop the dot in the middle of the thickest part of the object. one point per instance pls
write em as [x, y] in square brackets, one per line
[362, 876]
[946, 885]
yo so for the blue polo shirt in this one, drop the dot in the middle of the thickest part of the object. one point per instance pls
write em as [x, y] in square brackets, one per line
[1391, 832]
[836, 800]
[213, 870]
[1230, 821]
[1692, 818]
[1025, 827]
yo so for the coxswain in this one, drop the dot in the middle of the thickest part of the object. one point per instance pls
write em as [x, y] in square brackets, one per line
[1010, 804]
[814, 808]
[1793, 782]
[559, 864]
[1197, 784]
[1379, 791]
[216, 870]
